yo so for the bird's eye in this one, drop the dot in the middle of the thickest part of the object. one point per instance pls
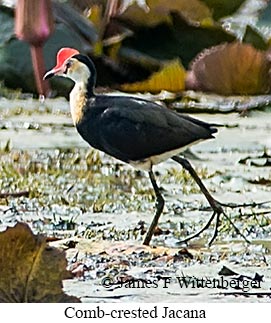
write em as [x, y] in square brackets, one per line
[68, 64]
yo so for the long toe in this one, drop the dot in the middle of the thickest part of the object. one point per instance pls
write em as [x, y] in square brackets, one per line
[217, 207]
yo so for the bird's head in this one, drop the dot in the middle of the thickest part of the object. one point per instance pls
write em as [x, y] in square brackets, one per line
[70, 63]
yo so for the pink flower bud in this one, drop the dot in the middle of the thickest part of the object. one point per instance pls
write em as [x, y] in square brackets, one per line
[34, 21]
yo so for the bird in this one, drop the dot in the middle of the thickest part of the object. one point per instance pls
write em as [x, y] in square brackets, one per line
[133, 130]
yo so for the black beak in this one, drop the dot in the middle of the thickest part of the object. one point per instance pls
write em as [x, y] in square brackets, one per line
[48, 75]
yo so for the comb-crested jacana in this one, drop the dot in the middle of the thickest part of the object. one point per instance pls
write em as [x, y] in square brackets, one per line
[135, 131]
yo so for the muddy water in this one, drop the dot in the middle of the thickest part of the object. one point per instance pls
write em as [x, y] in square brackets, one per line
[103, 211]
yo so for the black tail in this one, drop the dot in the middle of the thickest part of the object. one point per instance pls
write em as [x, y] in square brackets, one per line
[210, 126]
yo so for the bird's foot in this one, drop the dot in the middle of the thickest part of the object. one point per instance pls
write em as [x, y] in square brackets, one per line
[217, 212]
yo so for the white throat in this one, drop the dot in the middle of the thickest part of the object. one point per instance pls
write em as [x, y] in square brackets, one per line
[77, 101]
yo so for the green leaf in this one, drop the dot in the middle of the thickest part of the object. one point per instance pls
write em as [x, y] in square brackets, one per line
[253, 37]
[183, 39]
[7, 25]
[192, 38]
[223, 8]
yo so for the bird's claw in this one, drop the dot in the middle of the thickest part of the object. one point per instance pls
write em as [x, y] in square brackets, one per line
[217, 212]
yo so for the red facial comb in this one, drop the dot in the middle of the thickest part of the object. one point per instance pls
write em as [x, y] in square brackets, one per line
[64, 54]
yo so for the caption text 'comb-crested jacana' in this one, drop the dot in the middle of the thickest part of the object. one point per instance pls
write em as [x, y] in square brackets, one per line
[136, 131]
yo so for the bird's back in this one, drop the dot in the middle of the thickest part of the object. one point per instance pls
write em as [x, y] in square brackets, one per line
[132, 129]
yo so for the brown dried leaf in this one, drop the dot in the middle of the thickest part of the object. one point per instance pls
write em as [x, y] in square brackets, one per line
[30, 270]
[170, 78]
[230, 69]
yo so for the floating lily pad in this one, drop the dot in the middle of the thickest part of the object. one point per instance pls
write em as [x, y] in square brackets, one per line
[230, 69]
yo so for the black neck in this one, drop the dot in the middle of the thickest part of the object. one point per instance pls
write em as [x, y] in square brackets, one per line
[92, 79]
[90, 87]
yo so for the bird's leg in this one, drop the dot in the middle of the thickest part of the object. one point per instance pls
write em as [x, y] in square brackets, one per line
[159, 209]
[215, 205]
